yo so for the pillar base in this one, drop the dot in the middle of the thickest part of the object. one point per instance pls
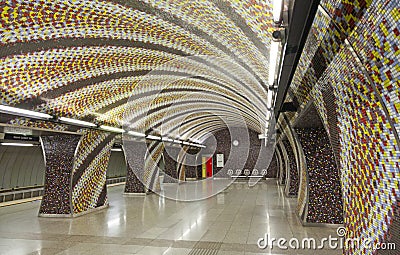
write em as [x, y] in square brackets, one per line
[134, 194]
[73, 215]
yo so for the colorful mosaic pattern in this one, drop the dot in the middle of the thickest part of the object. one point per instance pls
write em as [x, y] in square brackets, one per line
[380, 53]
[324, 203]
[24, 21]
[59, 152]
[134, 154]
[369, 150]
[89, 189]
[151, 170]
[82, 59]
[205, 16]
[359, 104]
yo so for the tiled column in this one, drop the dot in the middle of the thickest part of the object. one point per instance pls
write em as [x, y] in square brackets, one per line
[272, 170]
[59, 152]
[191, 163]
[151, 169]
[171, 164]
[135, 153]
[75, 173]
[181, 164]
[324, 199]
[292, 178]
[89, 190]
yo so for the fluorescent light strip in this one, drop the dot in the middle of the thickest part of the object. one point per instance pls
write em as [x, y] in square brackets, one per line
[23, 112]
[116, 149]
[112, 129]
[277, 10]
[186, 143]
[167, 139]
[268, 115]
[134, 133]
[273, 58]
[76, 122]
[177, 141]
[270, 99]
[153, 137]
[18, 144]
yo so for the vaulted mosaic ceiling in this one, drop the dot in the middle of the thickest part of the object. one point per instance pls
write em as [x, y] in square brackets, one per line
[197, 60]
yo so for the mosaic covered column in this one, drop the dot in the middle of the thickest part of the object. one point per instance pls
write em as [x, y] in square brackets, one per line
[272, 170]
[89, 190]
[171, 164]
[181, 164]
[191, 163]
[153, 156]
[190, 168]
[135, 153]
[292, 179]
[59, 153]
[324, 196]
[75, 173]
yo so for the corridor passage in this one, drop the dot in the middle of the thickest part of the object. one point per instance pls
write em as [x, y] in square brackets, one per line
[229, 223]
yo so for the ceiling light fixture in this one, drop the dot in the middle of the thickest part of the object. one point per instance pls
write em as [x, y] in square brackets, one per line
[277, 6]
[270, 99]
[153, 137]
[24, 113]
[273, 59]
[18, 144]
[167, 139]
[116, 149]
[112, 129]
[134, 133]
[76, 122]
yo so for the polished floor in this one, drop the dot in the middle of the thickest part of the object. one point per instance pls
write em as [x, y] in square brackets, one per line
[228, 223]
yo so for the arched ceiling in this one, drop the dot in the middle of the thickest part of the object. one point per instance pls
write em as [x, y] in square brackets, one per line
[191, 67]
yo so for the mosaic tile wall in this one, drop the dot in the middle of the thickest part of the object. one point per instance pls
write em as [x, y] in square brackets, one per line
[379, 52]
[393, 233]
[356, 91]
[368, 148]
[59, 152]
[134, 154]
[324, 188]
[292, 184]
[89, 188]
